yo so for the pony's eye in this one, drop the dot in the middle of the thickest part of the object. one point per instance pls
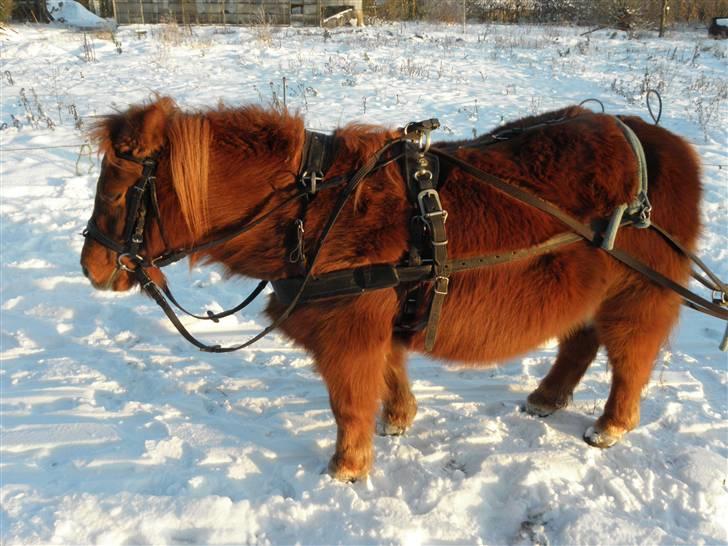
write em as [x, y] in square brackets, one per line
[111, 198]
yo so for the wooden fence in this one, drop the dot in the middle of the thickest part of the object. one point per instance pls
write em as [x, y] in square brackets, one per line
[240, 12]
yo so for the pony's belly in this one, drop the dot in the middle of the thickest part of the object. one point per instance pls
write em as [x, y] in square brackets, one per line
[483, 347]
[493, 316]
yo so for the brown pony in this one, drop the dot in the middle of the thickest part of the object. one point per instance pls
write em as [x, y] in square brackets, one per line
[221, 167]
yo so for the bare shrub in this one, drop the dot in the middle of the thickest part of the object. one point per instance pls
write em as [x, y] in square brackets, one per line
[35, 114]
[262, 23]
[446, 11]
[6, 10]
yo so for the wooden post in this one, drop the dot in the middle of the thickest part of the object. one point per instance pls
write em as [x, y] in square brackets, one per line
[113, 8]
[141, 10]
[663, 13]
[463, 16]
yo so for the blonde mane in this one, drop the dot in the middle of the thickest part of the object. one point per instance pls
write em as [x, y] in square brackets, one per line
[189, 142]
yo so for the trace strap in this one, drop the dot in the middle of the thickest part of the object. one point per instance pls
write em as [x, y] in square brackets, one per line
[696, 302]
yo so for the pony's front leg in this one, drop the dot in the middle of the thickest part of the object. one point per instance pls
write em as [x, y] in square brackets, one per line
[353, 369]
[350, 341]
[354, 392]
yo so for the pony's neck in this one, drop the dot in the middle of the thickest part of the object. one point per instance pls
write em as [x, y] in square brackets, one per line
[254, 161]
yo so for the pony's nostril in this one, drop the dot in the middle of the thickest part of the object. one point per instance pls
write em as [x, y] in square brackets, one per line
[85, 271]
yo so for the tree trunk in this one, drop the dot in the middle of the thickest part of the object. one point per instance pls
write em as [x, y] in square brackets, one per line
[663, 13]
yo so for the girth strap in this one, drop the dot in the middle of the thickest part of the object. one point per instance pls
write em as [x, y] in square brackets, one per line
[352, 282]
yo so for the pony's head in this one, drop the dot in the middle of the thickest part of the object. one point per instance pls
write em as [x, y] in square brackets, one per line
[178, 144]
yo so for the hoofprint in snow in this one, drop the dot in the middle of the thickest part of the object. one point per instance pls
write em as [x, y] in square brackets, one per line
[115, 431]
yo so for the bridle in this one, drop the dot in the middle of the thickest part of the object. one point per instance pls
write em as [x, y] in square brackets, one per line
[139, 198]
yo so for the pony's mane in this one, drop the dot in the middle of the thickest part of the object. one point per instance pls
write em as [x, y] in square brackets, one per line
[189, 140]
[145, 129]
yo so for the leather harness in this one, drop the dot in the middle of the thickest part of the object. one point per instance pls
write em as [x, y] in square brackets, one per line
[423, 277]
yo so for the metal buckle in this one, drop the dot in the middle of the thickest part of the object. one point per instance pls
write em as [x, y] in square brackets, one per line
[721, 299]
[438, 211]
[644, 209]
[441, 285]
[311, 180]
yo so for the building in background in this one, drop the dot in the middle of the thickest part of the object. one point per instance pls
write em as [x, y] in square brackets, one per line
[233, 12]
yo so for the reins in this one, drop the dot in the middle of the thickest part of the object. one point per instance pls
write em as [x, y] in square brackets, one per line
[435, 269]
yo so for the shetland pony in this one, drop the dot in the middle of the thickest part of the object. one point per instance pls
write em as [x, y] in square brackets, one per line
[221, 167]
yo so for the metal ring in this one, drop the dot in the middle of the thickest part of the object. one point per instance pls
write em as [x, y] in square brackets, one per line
[425, 141]
[600, 103]
[124, 267]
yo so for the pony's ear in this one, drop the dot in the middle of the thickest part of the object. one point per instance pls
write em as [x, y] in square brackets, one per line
[148, 131]
[153, 129]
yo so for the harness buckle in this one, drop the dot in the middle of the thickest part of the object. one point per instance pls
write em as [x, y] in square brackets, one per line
[442, 285]
[311, 179]
[641, 211]
[720, 298]
[438, 211]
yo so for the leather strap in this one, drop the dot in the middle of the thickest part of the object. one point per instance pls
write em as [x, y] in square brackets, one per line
[215, 317]
[319, 152]
[353, 282]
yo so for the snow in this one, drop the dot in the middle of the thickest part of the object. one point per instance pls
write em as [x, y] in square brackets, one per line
[115, 431]
[74, 14]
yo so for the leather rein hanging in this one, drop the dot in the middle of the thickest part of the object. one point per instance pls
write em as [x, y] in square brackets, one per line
[427, 264]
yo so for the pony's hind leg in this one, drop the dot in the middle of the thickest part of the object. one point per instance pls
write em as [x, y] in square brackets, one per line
[399, 405]
[632, 326]
[576, 352]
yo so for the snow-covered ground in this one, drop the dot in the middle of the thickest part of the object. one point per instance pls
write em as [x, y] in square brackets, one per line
[115, 431]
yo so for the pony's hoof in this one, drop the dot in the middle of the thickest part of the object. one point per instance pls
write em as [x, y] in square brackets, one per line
[540, 406]
[391, 429]
[397, 418]
[601, 439]
[345, 474]
[538, 410]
